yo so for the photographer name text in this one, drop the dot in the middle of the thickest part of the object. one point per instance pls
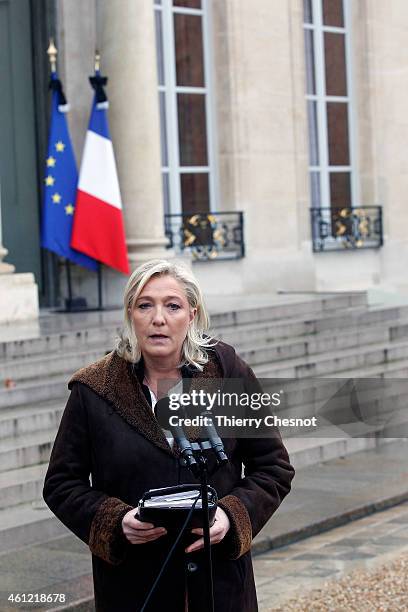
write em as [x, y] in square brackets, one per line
[270, 420]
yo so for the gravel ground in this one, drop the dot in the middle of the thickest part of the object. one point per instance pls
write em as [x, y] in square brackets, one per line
[383, 590]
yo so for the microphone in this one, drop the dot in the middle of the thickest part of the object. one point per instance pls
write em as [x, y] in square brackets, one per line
[186, 450]
[163, 413]
[214, 439]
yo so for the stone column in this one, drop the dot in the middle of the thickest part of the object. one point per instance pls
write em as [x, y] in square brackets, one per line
[384, 130]
[18, 292]
[126, 39]
[5, 268]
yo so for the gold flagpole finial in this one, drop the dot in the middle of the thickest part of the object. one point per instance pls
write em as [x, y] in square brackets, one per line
[97, 61]
[52, 55]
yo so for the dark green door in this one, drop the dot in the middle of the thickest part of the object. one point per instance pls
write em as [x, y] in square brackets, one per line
[18, 158]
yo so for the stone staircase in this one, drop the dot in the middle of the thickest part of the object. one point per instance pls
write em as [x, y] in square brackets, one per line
[326, 336]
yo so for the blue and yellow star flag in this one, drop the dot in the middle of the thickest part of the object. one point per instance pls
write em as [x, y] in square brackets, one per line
[60, 179]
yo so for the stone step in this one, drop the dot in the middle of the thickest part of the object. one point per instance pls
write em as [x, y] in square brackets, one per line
[325, 364]
[23, 485]
[26, 524]
[347, 394]
[291, 307]
[85, 333]
[312, 345]
[301, 392]
[53, 364]
[393, 370]
[304, 452]
[28, 450]
[328, 364]
[27, 419]
[34, 391]
[80, 339]
[42, 366]
[392, 422]
[28, 394]
[353, 318]
[302, 398]
[56, 363]
[20, 420]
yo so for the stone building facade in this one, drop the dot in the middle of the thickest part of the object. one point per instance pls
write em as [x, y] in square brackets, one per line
[271, 108]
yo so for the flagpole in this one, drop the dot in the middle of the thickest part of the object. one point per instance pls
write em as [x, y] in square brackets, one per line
[61, 182]
[52, 53]
[99, 227]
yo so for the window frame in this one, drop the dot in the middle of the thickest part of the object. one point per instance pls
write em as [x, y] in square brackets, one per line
[323, 167]
[170, 89]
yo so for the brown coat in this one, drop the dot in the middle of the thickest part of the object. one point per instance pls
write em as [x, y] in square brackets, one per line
[109, 431]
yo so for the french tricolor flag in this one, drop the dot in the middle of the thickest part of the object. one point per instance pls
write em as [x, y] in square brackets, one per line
[98, 228]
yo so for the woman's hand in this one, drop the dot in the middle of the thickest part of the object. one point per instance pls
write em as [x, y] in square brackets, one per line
[138, 532]
[217, 532]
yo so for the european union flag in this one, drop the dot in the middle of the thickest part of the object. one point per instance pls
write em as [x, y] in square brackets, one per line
[60, 179]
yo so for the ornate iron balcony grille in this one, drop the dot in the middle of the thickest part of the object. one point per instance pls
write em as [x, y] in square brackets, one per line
[208, 236]
[345, 228]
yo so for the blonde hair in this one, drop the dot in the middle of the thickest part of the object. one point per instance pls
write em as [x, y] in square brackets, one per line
[194, 347]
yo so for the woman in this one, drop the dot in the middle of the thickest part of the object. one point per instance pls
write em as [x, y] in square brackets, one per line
[109, 431]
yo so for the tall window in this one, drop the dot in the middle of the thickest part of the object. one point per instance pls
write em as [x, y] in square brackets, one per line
[185, 112]
[329, 103]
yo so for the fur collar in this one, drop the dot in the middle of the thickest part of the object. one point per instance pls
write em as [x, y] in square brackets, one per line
[111, 378]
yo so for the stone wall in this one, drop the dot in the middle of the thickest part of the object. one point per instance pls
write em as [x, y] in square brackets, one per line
[261, 125]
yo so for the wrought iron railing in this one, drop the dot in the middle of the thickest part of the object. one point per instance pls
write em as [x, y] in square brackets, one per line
[207, 236]
[340, 228]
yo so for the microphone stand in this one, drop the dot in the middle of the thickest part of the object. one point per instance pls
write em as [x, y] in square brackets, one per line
[200, 470]
[202, 463]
